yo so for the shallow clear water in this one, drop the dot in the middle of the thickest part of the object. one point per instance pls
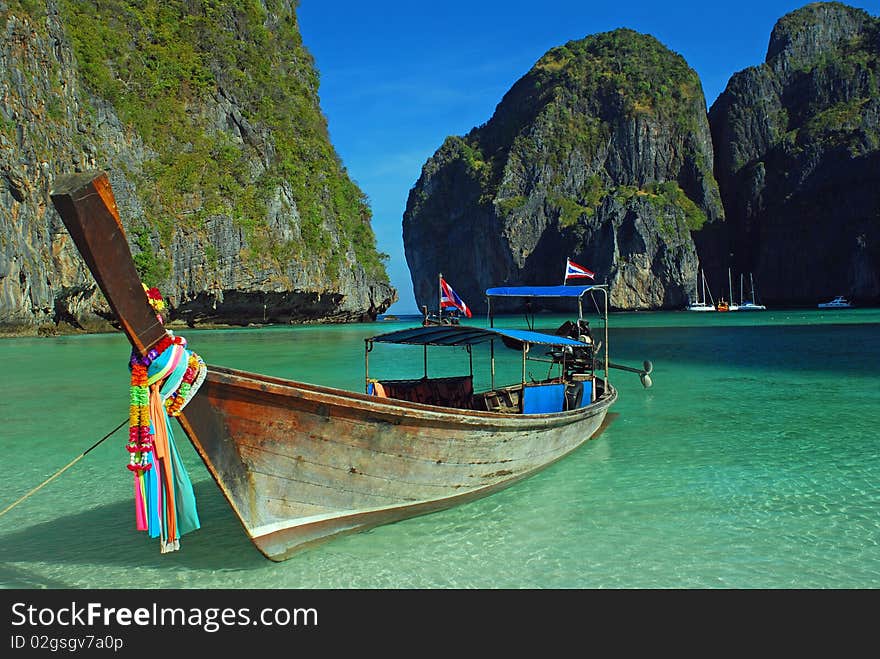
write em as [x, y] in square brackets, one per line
[753, 462]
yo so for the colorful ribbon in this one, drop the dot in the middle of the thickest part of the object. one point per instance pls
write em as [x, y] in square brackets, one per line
[162, 383]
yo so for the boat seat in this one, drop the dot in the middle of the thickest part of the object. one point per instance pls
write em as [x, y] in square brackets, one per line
[498, 400]
[455, 391]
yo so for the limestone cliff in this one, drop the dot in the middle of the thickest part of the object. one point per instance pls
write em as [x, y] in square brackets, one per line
[601, 153]
[797, 144]
[206, 118]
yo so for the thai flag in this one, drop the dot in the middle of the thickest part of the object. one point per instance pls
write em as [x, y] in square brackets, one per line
[449, 298]
[573, 270]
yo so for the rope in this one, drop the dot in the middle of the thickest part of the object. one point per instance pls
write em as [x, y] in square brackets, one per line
[62, 470]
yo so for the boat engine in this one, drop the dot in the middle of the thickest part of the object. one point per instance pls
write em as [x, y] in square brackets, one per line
[576, 360]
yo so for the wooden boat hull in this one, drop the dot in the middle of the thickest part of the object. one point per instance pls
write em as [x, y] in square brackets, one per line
[300, 463]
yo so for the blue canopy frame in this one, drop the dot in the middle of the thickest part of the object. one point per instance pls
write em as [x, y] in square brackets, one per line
[539, 291]
[576, 292]
[467, 336]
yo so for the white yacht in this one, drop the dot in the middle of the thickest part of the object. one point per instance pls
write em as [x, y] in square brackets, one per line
[840, 302]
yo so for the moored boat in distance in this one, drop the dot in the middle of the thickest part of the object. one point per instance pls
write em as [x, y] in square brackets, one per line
[701, 303]
[701, 306]
[302, 463]
[731, 305]
[431, 318]
[839, 302]
[750, 303]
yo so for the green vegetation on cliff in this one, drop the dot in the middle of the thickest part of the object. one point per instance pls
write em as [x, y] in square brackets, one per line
[634, 69]
[570, 105]
[161, 63]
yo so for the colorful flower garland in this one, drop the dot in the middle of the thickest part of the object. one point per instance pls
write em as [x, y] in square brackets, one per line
[140, 436]
[154, 298]
[192, 379]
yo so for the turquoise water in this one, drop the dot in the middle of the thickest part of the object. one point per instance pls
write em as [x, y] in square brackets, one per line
[753, 462]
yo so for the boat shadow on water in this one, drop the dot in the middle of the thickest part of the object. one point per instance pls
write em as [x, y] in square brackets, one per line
[105, 535]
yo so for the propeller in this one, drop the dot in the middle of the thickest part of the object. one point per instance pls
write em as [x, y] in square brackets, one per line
[645, 376]
[644, 373]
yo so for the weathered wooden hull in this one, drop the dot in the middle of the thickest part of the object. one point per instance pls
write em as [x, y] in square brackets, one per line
[300, 463]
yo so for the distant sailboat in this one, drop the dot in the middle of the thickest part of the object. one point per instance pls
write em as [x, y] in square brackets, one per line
[750, 304]
[731, 306]
[701, 304]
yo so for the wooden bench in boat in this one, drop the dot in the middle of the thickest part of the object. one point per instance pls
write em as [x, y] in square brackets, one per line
[455, 391]
[506, 399]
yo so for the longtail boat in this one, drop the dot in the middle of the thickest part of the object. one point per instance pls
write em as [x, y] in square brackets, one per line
[302, 463]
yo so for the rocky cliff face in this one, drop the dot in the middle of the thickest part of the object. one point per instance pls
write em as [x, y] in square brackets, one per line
[601, 153]
[797, 145]
[209, 179]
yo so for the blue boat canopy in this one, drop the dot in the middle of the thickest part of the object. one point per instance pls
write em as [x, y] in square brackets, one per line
[463, 335]
[539, 291]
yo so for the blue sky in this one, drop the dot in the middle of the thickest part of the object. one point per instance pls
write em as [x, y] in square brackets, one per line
[398, 77]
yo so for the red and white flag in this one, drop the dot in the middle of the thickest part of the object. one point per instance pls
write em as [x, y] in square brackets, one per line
[574, 271]
[449, 298]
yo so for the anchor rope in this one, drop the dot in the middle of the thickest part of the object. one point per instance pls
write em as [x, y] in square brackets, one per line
[63, 469]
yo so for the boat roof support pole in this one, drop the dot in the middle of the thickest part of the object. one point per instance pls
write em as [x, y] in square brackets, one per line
[605, 292]
[492, 362]
[368, 346]
[491, 343]
[426, 361]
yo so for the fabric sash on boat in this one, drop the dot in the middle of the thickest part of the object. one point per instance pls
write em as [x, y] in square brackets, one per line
[165, 505]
